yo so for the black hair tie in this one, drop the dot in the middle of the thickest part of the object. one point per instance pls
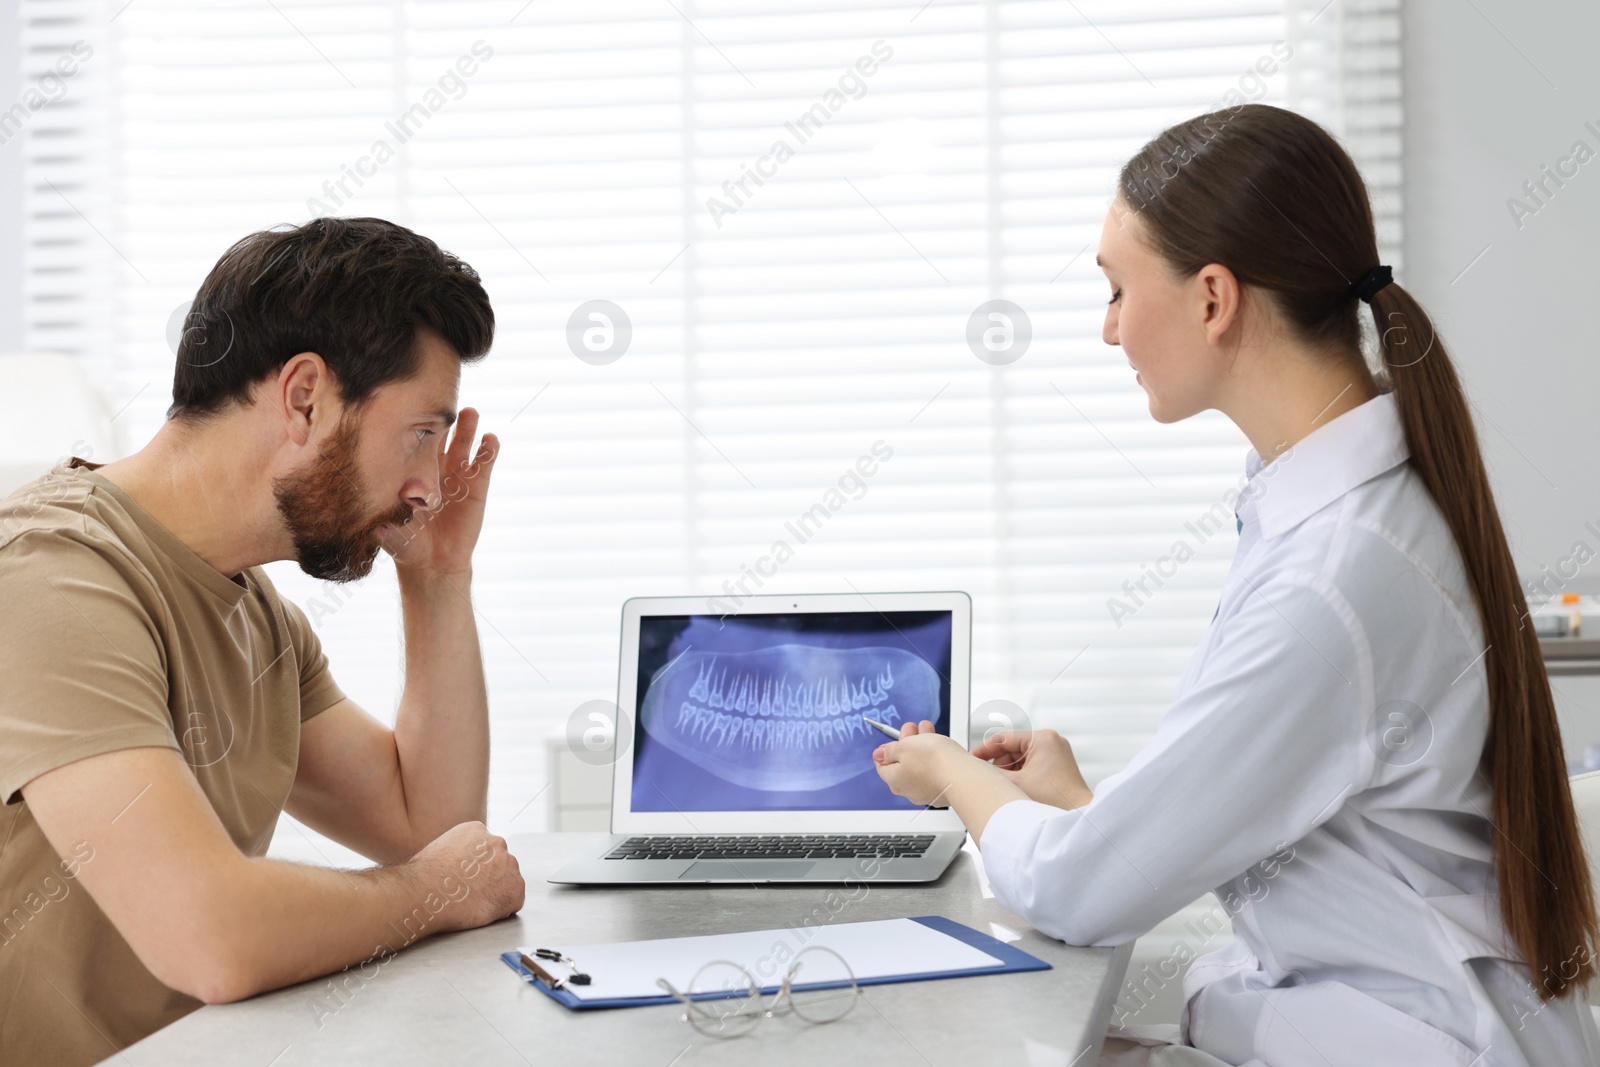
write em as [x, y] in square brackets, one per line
[1374, 280]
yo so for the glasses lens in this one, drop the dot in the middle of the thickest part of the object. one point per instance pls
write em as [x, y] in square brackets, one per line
[732, 1003]
[822, 966]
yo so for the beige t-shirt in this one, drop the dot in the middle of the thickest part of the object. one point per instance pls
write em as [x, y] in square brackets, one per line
[115, 635]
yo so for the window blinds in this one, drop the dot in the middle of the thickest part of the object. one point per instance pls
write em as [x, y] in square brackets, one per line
[794, 210]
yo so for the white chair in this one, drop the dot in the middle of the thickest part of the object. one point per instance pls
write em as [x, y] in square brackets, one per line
[51, 409]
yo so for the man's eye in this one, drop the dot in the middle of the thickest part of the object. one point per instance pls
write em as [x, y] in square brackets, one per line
[423, 435]
[1115, 297]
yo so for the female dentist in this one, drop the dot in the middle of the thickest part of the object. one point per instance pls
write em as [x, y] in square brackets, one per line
[1362, 758]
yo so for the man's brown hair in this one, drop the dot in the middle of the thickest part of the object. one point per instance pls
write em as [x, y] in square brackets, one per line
[354, 291]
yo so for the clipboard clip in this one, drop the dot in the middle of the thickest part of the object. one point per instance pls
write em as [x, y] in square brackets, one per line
[533, 968]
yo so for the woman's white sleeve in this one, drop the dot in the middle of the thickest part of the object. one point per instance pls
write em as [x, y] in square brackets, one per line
[1274, 733]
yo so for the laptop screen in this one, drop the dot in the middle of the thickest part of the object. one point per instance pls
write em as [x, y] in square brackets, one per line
[766, 712]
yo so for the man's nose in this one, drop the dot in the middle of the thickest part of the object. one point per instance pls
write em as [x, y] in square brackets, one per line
[422, 492]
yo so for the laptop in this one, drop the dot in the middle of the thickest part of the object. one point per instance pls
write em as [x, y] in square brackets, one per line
[742, 752]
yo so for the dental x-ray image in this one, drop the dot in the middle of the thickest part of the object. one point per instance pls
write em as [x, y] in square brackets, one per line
[766, 712]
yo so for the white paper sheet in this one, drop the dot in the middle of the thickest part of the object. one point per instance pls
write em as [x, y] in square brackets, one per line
[876, 949]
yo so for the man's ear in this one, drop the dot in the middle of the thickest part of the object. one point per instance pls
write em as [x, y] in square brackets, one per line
[304, 395]
[1221, 299]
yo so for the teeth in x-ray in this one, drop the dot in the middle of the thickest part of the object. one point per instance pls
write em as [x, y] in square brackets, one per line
[787, 717]
[749, 693]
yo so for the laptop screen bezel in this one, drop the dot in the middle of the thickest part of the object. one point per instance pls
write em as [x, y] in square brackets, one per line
[624, 820]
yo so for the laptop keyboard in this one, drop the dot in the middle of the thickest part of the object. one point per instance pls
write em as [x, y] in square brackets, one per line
[785, 846]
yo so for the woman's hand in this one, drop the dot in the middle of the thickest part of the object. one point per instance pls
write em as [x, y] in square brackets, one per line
[921, 765]
[926, 767]
[1040, 763]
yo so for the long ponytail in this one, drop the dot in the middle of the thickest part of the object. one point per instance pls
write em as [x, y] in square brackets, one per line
[1546, 900]
[1273, 197]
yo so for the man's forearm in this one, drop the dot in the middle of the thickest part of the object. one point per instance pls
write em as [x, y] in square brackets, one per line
[442, 728]
[286, 923]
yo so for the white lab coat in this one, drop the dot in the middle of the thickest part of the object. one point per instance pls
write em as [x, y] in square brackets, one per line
[1350, 846]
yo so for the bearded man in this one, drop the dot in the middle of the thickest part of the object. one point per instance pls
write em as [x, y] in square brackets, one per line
[161, 704]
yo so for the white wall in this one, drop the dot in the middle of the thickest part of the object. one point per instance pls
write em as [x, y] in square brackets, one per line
[1494, 90]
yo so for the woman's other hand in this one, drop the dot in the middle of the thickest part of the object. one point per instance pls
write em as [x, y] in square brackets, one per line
[1040, 763]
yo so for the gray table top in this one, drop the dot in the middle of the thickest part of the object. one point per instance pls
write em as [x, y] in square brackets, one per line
[449, 999]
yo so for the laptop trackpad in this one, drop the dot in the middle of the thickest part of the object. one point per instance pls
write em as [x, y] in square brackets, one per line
[746, 870]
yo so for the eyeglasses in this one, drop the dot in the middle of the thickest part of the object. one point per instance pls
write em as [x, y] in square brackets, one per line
[725, 1000]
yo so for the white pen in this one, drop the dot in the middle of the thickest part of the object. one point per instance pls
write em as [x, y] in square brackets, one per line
[892, 731]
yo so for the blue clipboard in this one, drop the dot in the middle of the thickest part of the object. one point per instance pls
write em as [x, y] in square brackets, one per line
[1012, 959]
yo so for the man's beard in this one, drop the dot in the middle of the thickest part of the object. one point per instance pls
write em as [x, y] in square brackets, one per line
[323, 508]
